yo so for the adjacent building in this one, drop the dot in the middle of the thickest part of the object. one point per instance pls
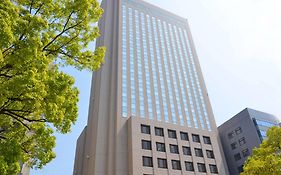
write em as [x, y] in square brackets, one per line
[243, 132]
[149, 109]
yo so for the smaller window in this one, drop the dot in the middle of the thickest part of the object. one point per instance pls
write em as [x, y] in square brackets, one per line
[237, 156]
[195, 138]
[159, 131]
[242, 141]
[145, 129]
[189, 166]
[176, 164]
[210, 154]
[172, 134]
[238, 130]
[240, 169]
[198, 152]
[213, 169]
[201, 167]
[162, 163]
[174, 149]
[207, 140]
[186, 150]
[184, 136]
[146, 144]
[246, 152]
[231, 135]
[160, 147]
[147, 161]
[234, 145]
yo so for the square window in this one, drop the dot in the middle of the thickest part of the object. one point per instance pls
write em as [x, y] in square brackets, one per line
[162, 163]
[237, 156]
[189, 166]
[176, 164]
[213, 169]
[146, 144]
[198, 152]
[147, 161]
[240, 169]
[186, 150]
[201, 167]
[184, 136]
[172, 134]
[207, 140]
[231, 135]
[145, 129]
[238, 130]
[159, 131]
[174, 149]
[242, 141]
[160, 147]
[210, 154]
[234, 145]
[246, 152]
[195, 138]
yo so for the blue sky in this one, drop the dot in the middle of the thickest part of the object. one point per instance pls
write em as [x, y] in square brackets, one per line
[238, 43]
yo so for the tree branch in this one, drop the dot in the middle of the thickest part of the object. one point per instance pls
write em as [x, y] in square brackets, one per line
[62, 32]
[14, 117]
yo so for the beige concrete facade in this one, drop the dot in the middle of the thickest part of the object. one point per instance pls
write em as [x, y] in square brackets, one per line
[111, 144]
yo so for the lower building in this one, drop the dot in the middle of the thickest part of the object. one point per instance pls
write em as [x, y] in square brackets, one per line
[243, 132]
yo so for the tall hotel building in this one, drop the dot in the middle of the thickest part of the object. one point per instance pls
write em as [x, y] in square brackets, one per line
[149, 109]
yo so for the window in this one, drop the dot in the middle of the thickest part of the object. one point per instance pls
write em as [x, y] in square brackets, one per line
[145, 129]
[146, 144]
[213, 169]
[147, 161]
[231, 135]
[184, 136]
[201, 167]
[172, 134]
[176, 164]
[242, 141]
[234, 145]
[160, 147]
[186, 150]
[246, 152]
[207, 140]
[195, 138]
[237, 156]
[240, 169]
[159, 131]
[189, 166]
[198, 152]
[162, 163]
[238, 130]
[174, 149]
[210, 154]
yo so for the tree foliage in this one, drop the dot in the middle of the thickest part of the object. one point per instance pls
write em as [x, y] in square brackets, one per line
[266, 160]
[36, 38]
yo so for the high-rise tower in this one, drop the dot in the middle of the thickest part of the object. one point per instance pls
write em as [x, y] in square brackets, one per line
[149, 108]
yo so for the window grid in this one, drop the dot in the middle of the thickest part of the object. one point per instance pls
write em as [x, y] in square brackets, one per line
[139, 63]
[159, 61]
[146, 66]
[124, 62]
[188, 79]
[132, 56]
[178, 88]
[182, 77]
[198, 83]
[154, 67]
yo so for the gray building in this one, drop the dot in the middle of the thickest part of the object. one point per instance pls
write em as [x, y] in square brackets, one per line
[243, 132]
[149, 109]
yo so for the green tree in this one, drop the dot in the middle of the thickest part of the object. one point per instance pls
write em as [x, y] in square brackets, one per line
[36, 38]
[266, 160]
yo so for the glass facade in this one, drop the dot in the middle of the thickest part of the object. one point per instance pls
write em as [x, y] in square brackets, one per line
[160, 76]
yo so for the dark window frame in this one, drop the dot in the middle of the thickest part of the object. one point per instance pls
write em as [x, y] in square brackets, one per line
[174, 151]
[172, 134]
[162, 163]
[184, 136]
[146, 144]
[198, 152]
[177, 163]
[203, 166]
[189, 166]
[159, 131]
[145, 163]
[145, 129]
[162, 146]
[196, 138]
[188, 152]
